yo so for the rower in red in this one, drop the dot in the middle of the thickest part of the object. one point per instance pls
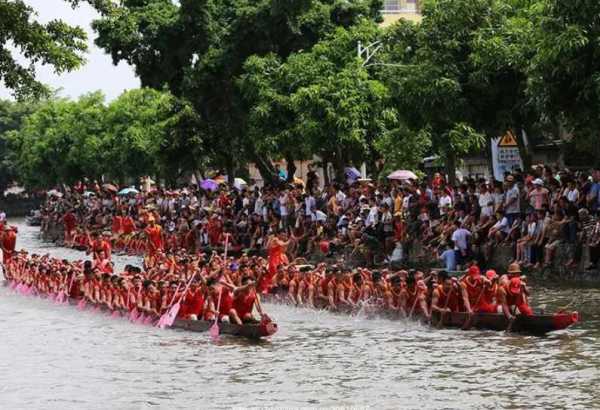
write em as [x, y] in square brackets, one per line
[474, 288]
[513, 293]
[245, 299]
[447, 295]
[221, 302]
[192, 306]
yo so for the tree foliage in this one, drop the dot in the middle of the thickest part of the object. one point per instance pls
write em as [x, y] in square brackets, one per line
[56, 44]
[63, 140]
[198, 50]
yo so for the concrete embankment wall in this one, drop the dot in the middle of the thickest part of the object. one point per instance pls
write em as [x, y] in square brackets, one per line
[19, 207]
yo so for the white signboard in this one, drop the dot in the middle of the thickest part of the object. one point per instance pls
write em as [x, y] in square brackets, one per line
[505, 155]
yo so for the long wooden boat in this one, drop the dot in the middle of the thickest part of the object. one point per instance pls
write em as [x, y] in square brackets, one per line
[537, 325]
[248, 330]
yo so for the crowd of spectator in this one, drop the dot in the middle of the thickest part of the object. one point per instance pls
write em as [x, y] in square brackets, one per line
[364, 222]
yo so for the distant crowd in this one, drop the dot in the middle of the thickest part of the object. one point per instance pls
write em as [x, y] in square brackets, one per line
[361, 222]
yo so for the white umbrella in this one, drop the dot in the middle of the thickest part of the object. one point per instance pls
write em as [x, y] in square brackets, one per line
[239, 184]
[402, 175]
[14, 190]
[54, 192]
[127, 191]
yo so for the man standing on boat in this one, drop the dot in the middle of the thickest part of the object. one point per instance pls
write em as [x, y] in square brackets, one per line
[154, 239]
[100, 247]
[513, 293]
[9, 242]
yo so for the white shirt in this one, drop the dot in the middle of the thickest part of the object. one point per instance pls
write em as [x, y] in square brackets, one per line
[258, 205]
[502, 225]
[283, 199]
[573, 195]
[512, 195]
[445, 201]
[310, 205]
[372, 218]
[485, 199]
[460, 237]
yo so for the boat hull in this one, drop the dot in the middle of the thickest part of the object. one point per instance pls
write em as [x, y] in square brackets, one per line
[537, 325]
[249, 330]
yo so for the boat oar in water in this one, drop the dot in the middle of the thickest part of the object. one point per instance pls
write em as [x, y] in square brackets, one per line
[165, 318]
[443, 313]
[82, 304]
[171, 315]
[214, 329]
[511, 321]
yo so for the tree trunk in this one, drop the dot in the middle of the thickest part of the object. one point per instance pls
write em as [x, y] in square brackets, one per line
[266, 169]
[524, 150]
[451, 167]
[291, 167]
[325, 163]
[339, 164]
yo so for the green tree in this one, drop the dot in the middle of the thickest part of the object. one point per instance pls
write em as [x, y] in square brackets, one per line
[197, 49]
[136, 128]
[564, 75]
[461, 74]
[60, 141]
[55, 43]
[12, 115]
[324, 102]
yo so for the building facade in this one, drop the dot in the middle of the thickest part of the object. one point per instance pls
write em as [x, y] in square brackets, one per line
[393, 10]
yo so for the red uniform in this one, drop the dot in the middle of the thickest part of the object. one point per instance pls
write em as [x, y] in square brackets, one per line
[127, 225]
[515, 297]
[70, 223]
[101, 246]
[117, 225]
[155, 241]
[9, 242]
[451, 300]
[487, 303]
[226, 303]
[192, 304]
[474, 286]
[244, 303]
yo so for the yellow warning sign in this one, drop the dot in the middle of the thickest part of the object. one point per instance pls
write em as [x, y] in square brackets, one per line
[509, 140]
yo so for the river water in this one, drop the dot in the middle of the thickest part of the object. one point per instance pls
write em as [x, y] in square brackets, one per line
[55, 357]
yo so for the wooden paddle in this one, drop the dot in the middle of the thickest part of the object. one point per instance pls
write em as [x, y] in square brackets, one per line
[164, 318]
[468, 323]
[412, 310]
[443, 313]
[171, 314]
[511, 321]
[214, 329]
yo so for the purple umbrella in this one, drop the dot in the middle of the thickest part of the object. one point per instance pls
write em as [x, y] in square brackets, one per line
[209, 185]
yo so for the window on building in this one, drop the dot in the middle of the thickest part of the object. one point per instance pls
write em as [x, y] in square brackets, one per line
[391, 6]
[396, 6]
